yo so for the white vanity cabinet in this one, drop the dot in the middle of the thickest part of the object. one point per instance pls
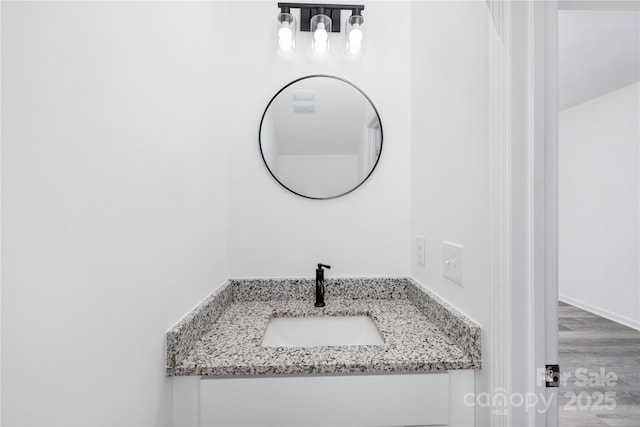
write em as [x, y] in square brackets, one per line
[226, 372]
[412, 399]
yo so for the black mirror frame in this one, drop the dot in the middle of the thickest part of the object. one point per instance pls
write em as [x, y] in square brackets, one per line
[363, 94]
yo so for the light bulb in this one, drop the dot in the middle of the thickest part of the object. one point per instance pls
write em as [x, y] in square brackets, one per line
[286, 33]
[321, 34]
[355, 35]
[355, 40]
[285, 37]
[321, 38]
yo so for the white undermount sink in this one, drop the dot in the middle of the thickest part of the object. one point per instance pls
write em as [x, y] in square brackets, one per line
[321, 331]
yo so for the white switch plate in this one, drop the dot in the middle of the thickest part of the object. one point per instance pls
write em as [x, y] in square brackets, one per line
[452, 262]
[420, 249]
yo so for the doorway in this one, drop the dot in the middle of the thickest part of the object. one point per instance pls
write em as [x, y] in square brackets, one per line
[599, 215]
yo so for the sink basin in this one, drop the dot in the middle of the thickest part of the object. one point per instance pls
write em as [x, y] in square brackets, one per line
[321, 331]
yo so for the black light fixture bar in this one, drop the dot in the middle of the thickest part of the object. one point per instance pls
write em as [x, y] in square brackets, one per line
[309, 10]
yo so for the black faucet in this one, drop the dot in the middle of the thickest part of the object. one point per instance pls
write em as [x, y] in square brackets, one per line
[320, 285]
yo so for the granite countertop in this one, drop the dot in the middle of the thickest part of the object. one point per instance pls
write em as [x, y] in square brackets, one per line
[223, 336]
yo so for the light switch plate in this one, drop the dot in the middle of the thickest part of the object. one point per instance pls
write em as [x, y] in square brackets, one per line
[420, 249]
[452, 262]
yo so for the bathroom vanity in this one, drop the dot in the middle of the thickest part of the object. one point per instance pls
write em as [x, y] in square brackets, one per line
[413, 368]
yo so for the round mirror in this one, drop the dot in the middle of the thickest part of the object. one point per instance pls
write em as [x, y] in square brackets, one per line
[320, 137]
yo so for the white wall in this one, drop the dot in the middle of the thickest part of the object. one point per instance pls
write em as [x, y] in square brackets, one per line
[450, 167]
[114, 203]
[275, 233]
[599, 205]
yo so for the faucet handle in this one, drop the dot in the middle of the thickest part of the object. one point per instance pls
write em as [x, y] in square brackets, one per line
[320, 266]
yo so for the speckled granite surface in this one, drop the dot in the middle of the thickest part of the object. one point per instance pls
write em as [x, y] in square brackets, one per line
[223, 335]
[459, 328]
[304, 289]
[184, 336]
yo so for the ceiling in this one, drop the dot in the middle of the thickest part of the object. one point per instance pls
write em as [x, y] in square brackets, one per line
[599, 51]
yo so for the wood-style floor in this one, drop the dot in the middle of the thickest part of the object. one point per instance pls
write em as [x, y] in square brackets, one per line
[590, 347]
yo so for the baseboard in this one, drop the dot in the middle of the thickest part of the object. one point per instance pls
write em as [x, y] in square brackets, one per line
[623, 320]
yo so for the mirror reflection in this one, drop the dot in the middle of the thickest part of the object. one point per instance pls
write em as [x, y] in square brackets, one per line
[320, 137]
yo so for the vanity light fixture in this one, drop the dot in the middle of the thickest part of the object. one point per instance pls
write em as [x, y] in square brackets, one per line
[321, 20]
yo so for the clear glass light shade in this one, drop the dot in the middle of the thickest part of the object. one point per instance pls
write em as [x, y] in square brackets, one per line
[286, 33]
[321, 27]
[355, 35]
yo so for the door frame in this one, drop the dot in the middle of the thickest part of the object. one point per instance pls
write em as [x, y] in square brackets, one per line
[524, 139]
[525, 131]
